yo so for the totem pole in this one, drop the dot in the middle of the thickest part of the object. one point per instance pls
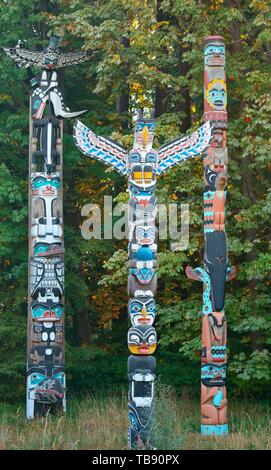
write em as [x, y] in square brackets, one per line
[216, 270]
[45, 352]
[141, 166]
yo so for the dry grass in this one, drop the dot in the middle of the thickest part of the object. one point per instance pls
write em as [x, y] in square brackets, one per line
[101, 423]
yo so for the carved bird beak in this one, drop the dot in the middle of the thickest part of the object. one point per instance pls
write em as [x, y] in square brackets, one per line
[145, 135]
[144, 312]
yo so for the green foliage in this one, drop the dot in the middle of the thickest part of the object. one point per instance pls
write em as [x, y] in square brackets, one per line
[164, 56]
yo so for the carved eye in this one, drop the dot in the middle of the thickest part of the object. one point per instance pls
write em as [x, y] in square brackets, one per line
[58, 310]
[139, 126]
[38, 182]
[40, 249]
[60, 376]
[134, 157]
[151, 157]
[140, 233]
[56, 182]
[135, 308]
[39, 310]
[36, 378]
[152, 339]
[134, 339]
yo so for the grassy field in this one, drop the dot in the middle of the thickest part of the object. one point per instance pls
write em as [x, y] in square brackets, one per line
[101, 423]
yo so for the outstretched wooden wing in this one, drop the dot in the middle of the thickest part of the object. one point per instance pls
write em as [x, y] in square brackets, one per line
[24, 57]
[183, 148]
[73, 58]
[101, 149]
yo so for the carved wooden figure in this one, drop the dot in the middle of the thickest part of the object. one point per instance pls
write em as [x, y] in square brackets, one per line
[216, 269]
[45, 351]
[141, 166]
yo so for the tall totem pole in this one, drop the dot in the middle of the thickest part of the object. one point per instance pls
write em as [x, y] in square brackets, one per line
[142, 165]
[45, 351]
[216, 270]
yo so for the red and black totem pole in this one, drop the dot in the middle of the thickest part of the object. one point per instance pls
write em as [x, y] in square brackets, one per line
[216, 270]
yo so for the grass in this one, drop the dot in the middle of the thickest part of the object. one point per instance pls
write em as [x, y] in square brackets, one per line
[101, 423]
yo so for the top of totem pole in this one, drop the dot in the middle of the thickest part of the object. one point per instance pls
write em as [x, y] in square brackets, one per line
[213, 38]
[143, 131]
[50, 58]
[214, 51]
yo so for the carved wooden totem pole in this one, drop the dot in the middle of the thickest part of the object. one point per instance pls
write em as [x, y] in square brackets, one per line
[216, 270]
[141, 166]
[45, 352]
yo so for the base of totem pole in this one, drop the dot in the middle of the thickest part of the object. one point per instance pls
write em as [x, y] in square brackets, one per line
[214, 429]
[41, 410]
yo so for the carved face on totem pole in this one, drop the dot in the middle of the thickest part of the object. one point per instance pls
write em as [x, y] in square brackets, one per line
[142, 161]
[51, 54]
[45, 387]
[43, 184]
[213, 375]
[142, 339]
[214, 52]
[143, 164]
[47, 312]
[142, 234]
[142, 311]
[216, 94]
[215, 90]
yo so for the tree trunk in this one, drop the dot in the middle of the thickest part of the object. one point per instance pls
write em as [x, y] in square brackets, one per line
[184, 105]
[247, 178]
[122, 105]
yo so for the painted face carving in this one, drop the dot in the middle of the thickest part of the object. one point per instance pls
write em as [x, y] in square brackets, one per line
[142, 339]
[142, 209]
[50, 60]
[152, 157]
[49, 391]
[145, 235]
[46, 389]
[142, 175]
[214, 54]
[144, 132]
[45, 185]
[133, 157]
[43, 312]
[142, 311]
[213, 375]
[216, 94]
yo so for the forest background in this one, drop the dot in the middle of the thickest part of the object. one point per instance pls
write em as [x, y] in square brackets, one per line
[150, 54]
